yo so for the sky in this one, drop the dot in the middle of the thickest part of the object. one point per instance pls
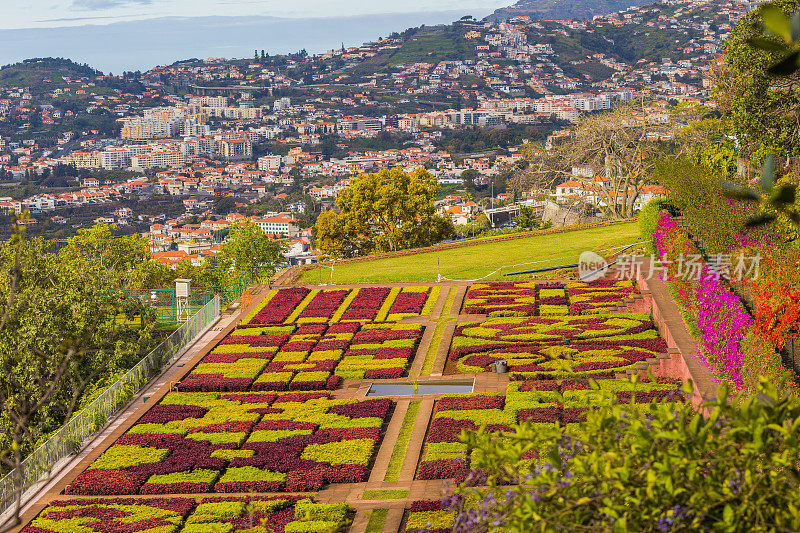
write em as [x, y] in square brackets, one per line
[60, 13]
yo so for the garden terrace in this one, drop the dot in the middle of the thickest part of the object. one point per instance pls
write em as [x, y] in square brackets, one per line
[281, 514]
[557, 347]
[527, 298]
[275, 412]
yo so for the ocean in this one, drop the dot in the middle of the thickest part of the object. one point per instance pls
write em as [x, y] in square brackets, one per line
[141, 45]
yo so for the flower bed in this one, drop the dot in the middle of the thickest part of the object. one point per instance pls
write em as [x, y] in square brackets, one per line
[557, 347]
[303, 305]
[279, 514]
[323, 306]
[501, 298]
[305, 357]
[165, 515]
[288, 514]
[366, 304]
[595, 297]
[380, 350]
[240, 442]
[410, 301]
[280, 306]
[527, 298]
[429, 516]
[539, 401]
[722, 321]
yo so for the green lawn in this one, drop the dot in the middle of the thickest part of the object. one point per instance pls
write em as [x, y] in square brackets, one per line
[384, 494]
[401, 444]
[472, 262]
[376, 519]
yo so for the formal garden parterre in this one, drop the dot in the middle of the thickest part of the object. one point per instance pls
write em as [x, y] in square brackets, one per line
[279, 514]
[528, 298]
[548, 401]
[261, 413]
[240, 442]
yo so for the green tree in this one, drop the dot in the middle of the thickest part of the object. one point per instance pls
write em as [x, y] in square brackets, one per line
[613, 152]
[224, 205]
[248, 249]
[382, 212]
[761, 110]
[59, 330]
[469, 176]
[525, 218]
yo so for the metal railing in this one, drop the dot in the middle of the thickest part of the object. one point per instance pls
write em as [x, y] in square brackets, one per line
[93, 417]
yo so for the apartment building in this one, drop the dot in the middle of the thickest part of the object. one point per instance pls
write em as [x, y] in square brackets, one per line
[282, 225]
[235, 149]
[358, 124]
[156, 123]
[159, 159]
[82, 159]
[269, 163]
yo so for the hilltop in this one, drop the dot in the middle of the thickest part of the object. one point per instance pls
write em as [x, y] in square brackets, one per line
[40, 71]
[563, 9]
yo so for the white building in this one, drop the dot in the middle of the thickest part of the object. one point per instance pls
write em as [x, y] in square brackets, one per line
[269, 163]
[282, 225]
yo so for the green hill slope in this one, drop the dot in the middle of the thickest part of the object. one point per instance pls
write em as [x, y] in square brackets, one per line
[563, 9]
[35, 72]
[472, 262]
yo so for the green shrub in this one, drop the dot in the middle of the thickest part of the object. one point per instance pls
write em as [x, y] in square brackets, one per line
[426, 520]
[760, 359]
[384, 494]
[224, 437]
[125, 455]
[274, 435]
[216, 511]
[314, 526]
[729, 467]
[230, 455]
[215, 527]
[195, 476]
[648, 219]
[251, 473]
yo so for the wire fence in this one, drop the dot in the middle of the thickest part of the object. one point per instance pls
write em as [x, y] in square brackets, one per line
[163, 301]
[93, 417]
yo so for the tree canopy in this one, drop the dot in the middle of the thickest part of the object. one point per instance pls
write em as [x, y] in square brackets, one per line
[612, 155]
[248, 249]
[761, 110]
[65, 321]
[382, 212]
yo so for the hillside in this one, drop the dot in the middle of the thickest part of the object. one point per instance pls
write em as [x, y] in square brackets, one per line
[563, 9]
[440, 43]
[646, 36]
[472, 262]
[47, 71]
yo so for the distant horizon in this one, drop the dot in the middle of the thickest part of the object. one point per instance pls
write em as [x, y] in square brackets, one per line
[144, 44]
[35, 14]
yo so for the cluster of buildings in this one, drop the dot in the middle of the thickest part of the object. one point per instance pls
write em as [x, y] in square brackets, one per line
[211, 142]
[173, 241]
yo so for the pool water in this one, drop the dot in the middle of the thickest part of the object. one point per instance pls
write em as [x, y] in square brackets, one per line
[424, 387]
